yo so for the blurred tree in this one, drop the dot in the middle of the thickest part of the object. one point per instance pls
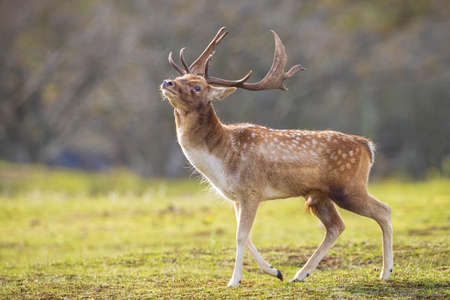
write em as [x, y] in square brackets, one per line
[80, 79]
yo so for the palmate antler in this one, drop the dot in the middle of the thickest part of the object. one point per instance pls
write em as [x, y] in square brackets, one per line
[273, 79]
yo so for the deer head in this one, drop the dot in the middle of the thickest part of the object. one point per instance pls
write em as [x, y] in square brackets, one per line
[194, 89]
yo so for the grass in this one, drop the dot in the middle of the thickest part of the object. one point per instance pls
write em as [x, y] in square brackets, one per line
[73, 235]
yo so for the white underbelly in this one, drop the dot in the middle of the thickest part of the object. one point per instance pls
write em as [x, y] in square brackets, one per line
[269, 193]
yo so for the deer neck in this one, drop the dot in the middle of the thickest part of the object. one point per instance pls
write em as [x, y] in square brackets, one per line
[200, 129]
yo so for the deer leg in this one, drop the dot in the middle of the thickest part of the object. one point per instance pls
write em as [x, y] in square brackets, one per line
[325, 210]
[246, 216]
[365, 205]
[263, 265]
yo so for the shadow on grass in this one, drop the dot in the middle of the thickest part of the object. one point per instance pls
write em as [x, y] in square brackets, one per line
[413, 289]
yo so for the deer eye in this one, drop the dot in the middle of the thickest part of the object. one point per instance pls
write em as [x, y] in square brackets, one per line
[197, 88]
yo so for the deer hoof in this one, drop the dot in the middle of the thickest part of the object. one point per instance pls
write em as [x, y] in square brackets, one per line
[279, 275]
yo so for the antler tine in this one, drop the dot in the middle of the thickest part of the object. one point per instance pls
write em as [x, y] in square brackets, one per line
[176, 67]
[183, 61]
[240, 83]
[224, 82]
[207, 65]
[274, 77]
[199, 65]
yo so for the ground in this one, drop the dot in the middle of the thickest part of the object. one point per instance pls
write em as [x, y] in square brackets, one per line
[73, 235]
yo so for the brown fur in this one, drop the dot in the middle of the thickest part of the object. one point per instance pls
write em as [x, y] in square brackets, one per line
[341, 158]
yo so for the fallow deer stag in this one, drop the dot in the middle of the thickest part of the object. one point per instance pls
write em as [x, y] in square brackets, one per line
[248, 163]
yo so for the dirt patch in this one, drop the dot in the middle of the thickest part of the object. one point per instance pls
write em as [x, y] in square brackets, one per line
[396, 288]
[172, 210]
[219, 231]
[34, 222]
[428, 230]
[297, 259]
[6, 245]
[196, 251]
[203, 233]
[288, 250]
[330, 262]
[113, 214]
[129, 262]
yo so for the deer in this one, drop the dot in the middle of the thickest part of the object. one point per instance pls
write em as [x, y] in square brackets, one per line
[248, 164]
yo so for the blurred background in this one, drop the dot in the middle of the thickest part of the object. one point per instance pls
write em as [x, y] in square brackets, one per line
[79, 80]
[93, 197]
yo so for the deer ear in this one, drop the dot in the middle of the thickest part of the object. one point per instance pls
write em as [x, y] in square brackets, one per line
[220, 93]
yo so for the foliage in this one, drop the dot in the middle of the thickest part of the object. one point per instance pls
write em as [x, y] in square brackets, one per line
[117, 236]
[81, 78]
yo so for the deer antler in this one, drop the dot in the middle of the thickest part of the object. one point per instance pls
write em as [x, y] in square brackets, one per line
[274, 77]
[199, 65]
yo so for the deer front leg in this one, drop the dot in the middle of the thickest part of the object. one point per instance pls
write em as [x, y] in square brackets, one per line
[246, 216]
[263, 265]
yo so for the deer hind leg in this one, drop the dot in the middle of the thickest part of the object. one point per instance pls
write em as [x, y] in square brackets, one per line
[325, 210]
[263, 265]
[366, 205]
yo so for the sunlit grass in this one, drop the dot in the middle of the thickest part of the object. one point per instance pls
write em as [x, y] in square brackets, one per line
[69, 234]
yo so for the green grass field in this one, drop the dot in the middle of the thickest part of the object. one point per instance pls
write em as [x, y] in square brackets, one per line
[73, 235]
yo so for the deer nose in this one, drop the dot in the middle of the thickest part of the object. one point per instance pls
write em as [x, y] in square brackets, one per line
[167, 83]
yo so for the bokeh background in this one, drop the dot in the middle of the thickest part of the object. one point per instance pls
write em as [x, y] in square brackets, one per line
[96, 199]
[79, 80]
